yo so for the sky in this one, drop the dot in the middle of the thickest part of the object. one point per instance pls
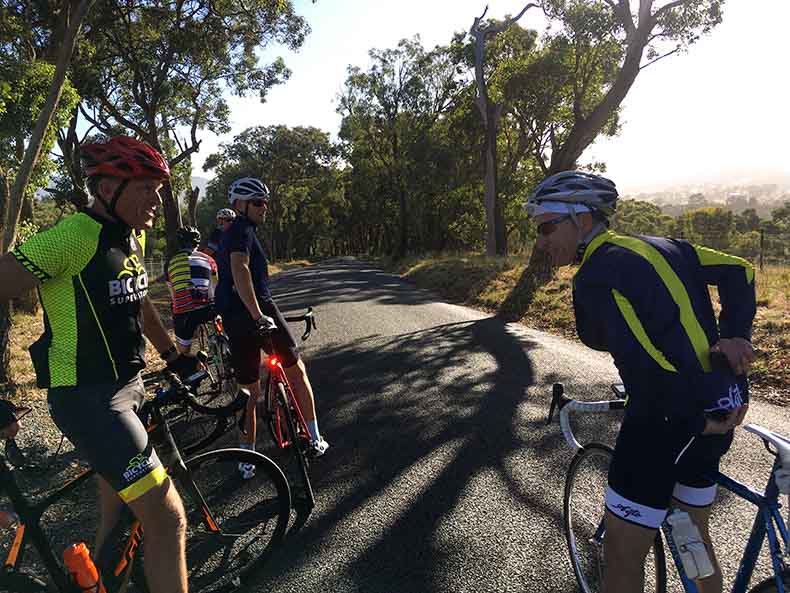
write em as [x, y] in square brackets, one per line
[718, 112]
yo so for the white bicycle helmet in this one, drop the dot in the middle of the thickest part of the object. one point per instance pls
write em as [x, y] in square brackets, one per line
[227, 213]
[574, 187]
[247, 188]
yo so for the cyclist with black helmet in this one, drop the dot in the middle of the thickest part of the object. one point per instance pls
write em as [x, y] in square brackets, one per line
[225, 216]
[93, 286]
[645, 300]
[191, 277]
[245, 301]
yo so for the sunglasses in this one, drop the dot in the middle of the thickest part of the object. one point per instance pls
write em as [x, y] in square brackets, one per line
[548, 227]
[258, 202]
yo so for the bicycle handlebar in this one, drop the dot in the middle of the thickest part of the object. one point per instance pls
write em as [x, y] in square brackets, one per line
[309, 322]
[566, 405]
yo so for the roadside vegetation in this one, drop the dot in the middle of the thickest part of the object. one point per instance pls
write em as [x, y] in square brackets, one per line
[486, 282]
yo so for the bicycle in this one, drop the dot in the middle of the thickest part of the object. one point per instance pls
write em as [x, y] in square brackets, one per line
[286, 422]
[231, 524]
[211, 339]
[584, 520]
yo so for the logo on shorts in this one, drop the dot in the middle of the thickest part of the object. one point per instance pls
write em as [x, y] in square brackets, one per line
[627, 511]
[138, 465]
[732, 401]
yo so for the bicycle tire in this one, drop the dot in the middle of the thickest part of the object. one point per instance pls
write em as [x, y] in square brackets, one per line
[583, 515]
[769, 585]
[297, 448]
[252, 514]
[220, 388]
[194, 431]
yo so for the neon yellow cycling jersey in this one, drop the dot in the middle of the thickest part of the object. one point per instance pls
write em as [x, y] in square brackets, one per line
[92, 285]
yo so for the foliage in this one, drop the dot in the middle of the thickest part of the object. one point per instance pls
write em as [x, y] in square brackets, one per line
[300, 167]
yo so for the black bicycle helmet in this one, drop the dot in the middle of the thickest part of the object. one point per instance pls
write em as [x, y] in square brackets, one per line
[188, 237]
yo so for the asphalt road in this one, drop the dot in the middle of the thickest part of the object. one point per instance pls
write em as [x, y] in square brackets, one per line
[442, 475]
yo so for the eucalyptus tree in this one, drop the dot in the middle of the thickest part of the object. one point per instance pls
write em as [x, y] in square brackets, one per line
[160, 69]
[36, 45]
[389, 112]
[299, 165]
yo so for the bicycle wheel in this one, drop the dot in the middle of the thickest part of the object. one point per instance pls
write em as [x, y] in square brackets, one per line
[220, 387]
[585, 487]
[232, 524]
[298, 442]
[769, 585]
[194, 431]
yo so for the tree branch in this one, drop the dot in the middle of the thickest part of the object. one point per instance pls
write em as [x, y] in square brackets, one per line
[669, 53]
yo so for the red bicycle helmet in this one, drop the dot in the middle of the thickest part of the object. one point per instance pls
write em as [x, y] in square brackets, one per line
[124, 157]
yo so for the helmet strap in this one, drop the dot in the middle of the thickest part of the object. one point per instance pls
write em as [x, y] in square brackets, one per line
[116, 196]
[109, 207]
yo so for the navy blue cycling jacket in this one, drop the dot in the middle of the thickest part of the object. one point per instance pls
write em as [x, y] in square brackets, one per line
[645, 300]
[240, 237]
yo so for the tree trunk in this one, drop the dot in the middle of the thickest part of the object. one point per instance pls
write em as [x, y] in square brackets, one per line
[537, 273]
[77, 11]
[172, 218]
[192, 206]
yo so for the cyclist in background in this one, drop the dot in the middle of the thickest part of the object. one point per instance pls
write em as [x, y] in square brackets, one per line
[225, 217]
[191, 278]
[93, 287]
[244, 300]
[645, 300]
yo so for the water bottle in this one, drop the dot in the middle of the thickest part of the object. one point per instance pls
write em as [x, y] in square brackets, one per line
[83, 571]
[692, 550]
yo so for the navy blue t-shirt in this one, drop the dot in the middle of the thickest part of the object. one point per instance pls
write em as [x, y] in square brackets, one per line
[240, 238]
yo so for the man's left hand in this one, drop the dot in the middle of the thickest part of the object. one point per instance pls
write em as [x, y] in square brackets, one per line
[739, 353]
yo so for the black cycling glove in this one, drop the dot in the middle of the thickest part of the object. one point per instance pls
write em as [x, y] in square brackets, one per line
[264, 327]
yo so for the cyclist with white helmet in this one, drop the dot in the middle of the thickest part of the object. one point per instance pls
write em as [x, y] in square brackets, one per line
[225, 216]
[645, 300]
[248, 310]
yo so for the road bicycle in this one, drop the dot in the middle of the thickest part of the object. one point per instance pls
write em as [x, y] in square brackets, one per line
[212, 339]
[583, 507]
[232, 524]
[283, 416]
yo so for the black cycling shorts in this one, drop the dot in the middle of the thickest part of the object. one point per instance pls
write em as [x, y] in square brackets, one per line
[185, 324]
[655, 462]
[245, 347]
[102, 424]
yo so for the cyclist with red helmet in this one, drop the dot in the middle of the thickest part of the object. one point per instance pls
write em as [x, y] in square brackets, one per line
[93, 286]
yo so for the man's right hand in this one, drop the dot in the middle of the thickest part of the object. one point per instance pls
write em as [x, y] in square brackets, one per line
[264, 326]
[729, 422]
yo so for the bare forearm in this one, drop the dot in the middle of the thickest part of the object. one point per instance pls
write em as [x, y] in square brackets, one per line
[153, 328]
[14, 279]
[242, 280]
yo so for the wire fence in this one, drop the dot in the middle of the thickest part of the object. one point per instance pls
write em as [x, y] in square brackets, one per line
[154, 266]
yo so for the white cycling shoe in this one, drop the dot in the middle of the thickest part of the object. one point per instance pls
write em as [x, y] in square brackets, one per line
[318, 447]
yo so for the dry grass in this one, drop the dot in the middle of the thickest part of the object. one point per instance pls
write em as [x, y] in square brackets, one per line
[485, 283]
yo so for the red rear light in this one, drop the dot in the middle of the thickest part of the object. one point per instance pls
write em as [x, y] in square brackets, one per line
[273, 362]
[218, 325]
